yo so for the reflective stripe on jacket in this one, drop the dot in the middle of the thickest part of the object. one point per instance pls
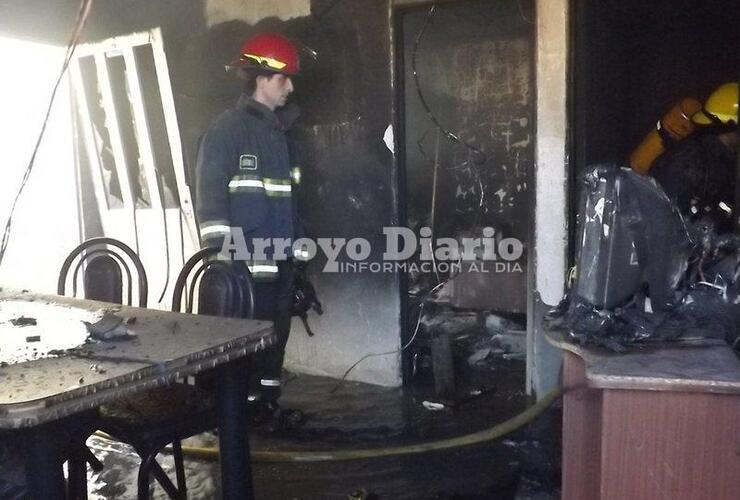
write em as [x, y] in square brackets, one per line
[244, 180]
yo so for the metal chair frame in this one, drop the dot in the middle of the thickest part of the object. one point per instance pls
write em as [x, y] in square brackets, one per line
[202, 256]
[80, 456]
[148, 446]
[85, 256]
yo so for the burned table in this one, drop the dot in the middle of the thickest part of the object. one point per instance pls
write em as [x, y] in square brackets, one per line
[51, 372]
[650, 423]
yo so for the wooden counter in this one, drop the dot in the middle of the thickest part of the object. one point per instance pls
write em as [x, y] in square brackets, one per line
[651, 423]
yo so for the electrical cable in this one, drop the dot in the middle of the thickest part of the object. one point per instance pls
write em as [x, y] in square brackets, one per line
[473, 170]
[396, 351]
[82, 15]
[482, 157]
[161, 181]
[521, 13]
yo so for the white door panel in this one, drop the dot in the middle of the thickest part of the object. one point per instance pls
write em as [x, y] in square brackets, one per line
[128, 125]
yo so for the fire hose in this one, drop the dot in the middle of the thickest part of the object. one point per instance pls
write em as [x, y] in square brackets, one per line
[490, 434]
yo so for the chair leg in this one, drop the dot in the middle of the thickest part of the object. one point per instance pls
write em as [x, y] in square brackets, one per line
[77, 472]
[77, 481]
[95, 464]
[143, 479]
[149, 466]
[182, 486]
[161, 476]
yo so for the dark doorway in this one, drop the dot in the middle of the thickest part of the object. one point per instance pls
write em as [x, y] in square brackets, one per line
[633, 60]
[465, 93]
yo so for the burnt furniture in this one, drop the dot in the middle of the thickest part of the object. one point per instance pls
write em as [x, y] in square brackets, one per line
[51, 371]
[650, 424]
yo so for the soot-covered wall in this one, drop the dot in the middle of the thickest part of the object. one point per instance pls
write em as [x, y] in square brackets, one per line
[348, 176]
[474, 68]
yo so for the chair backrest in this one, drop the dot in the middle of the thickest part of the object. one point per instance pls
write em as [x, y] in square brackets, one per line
[223, 288]
[102, 279]
[107, 262]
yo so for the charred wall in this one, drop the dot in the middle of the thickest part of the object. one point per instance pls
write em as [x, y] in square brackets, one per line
[474, 68]
[349, 188]
[346, 99]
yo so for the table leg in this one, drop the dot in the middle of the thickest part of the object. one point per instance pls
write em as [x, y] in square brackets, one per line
[236, 471]
[44, 464]
[77, 474]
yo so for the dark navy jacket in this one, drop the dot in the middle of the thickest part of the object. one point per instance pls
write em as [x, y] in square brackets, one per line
[244, 179]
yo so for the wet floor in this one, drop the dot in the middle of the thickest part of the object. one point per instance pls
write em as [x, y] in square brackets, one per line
[523, 465]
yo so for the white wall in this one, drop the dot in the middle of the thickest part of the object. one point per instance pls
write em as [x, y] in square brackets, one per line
[219, 11]
[551, 200]
[356, 322]
[45, 227]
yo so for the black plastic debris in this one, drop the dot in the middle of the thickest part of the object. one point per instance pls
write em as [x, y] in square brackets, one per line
[630, 235]
[23, 321]
[109, 327]
[642, 274]
[704, 312]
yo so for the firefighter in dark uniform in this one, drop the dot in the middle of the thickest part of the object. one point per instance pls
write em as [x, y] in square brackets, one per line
[699, 172]
[245, 182]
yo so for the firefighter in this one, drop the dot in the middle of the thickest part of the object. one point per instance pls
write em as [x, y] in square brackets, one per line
[245, 181]
[699, 172]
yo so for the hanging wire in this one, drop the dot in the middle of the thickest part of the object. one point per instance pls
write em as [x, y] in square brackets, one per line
[422, 302]
[82, 15]
[395, 351]
[521, 13]
[161, 181]
[481, 156]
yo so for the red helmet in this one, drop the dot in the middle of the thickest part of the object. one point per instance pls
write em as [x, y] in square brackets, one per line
[271, 52]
